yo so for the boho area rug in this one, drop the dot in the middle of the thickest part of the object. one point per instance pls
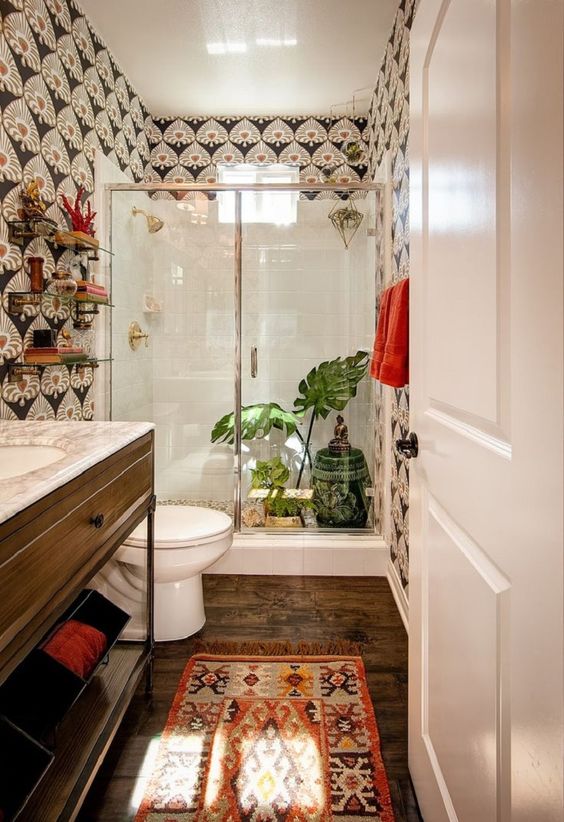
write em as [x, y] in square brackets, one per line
[262, 738]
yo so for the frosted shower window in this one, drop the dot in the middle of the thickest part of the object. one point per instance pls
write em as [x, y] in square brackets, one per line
[264, 207]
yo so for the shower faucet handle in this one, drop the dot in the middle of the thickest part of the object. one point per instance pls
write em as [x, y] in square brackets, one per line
[254, 361]
[135, 335]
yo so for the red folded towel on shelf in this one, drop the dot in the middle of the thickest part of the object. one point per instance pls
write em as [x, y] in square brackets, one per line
[77, 646]
[390, 359]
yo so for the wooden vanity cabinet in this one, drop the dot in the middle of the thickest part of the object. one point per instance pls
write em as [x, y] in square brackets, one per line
[49, 552]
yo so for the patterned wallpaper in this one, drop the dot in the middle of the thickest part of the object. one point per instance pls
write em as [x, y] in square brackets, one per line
[188, 150]
[62, 96]
[388, 129]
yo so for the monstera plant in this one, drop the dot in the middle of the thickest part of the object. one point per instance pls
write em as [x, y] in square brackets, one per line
[256, 422]
[328, 387]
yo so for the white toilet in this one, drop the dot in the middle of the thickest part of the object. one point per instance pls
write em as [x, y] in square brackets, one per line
[187, 541]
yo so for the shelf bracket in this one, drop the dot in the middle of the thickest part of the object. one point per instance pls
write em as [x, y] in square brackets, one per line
[17, 300]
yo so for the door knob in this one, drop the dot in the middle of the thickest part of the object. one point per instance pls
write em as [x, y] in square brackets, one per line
[409, 448]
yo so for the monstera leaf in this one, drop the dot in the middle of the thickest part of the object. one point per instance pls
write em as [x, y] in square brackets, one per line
[256, 422]
[331, 385]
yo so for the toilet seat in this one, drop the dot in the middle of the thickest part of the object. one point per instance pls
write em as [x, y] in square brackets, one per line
[182, 526]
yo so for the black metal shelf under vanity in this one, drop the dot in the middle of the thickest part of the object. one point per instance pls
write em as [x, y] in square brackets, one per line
[38, 696]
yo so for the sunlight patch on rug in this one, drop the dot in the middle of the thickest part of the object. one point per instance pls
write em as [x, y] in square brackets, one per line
[287, 740]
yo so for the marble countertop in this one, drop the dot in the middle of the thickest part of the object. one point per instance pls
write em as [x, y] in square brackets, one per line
[85, 443]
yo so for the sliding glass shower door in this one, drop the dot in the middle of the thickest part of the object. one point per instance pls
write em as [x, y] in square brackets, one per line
[307, 404]
[261, 315]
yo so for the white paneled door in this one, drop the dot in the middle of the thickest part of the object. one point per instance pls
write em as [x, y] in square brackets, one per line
[486, 683]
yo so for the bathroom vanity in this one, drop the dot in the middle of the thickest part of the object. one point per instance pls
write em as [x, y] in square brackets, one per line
[70, 493]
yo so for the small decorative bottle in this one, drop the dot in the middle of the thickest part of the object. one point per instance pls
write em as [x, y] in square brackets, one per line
[34, 269]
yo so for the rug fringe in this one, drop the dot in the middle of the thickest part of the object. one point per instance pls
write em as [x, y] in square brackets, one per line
[336, 647]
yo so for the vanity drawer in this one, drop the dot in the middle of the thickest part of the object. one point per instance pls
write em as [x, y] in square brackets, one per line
[53, 550]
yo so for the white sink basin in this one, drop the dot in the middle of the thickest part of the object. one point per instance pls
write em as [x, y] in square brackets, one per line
[21, 459]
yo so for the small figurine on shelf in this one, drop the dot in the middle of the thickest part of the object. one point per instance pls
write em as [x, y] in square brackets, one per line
[32, 204]
[33, 211]
[78, 267]
[340, 443]
[81, 218]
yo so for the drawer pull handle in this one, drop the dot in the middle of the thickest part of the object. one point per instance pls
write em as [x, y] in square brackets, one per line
[97, 521]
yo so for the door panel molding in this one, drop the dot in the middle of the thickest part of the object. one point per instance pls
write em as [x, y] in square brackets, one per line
[467, 426]
[476, 562]
[475, 555]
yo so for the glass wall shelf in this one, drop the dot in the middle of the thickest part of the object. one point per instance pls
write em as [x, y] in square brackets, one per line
[19, 370]
[21, 231]
[18, 300]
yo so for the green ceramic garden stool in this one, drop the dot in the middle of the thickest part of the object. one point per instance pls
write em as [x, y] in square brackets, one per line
[339, 488]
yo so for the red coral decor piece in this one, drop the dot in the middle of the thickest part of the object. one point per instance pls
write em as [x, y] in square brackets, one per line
[81, 214]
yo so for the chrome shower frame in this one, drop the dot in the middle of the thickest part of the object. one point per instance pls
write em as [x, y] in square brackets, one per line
[238, 190]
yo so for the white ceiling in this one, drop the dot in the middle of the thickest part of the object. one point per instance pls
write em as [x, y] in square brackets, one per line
[267, 56]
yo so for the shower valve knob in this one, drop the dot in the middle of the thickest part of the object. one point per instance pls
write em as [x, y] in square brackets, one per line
[135, 335]
[408, 448]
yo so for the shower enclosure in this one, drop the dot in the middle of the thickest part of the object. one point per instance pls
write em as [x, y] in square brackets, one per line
[259, 324]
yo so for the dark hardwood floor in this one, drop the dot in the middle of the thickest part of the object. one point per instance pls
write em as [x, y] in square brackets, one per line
[240, 608]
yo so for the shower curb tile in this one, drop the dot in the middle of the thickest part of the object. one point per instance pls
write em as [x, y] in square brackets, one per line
[288, 561]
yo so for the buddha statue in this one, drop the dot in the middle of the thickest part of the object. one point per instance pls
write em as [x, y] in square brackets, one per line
[340, 443]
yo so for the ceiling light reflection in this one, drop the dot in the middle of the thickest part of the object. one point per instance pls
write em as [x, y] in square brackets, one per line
[274, 42]
[226, 48]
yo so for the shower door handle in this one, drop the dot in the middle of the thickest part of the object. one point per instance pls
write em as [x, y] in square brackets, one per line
[254, 361]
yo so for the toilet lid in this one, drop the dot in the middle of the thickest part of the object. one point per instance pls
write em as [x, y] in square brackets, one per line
[177, 526]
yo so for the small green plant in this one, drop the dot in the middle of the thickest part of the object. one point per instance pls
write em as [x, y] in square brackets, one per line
[280, 506]
[269, 474]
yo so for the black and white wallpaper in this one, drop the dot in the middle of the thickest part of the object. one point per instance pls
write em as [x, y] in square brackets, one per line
[188, 150]
[62, 96]
[388, 130]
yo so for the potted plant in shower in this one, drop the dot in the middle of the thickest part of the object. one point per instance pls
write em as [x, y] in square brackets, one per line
[283, 508]
[328, 387]
[269, 474]
[286, 511]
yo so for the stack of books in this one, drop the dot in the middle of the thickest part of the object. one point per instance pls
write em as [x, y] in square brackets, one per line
[54, 356]
[88, 292]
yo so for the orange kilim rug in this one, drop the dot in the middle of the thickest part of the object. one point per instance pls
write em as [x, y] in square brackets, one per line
[258, 738]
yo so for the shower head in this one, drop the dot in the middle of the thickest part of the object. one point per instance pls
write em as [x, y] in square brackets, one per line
[154, 224]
